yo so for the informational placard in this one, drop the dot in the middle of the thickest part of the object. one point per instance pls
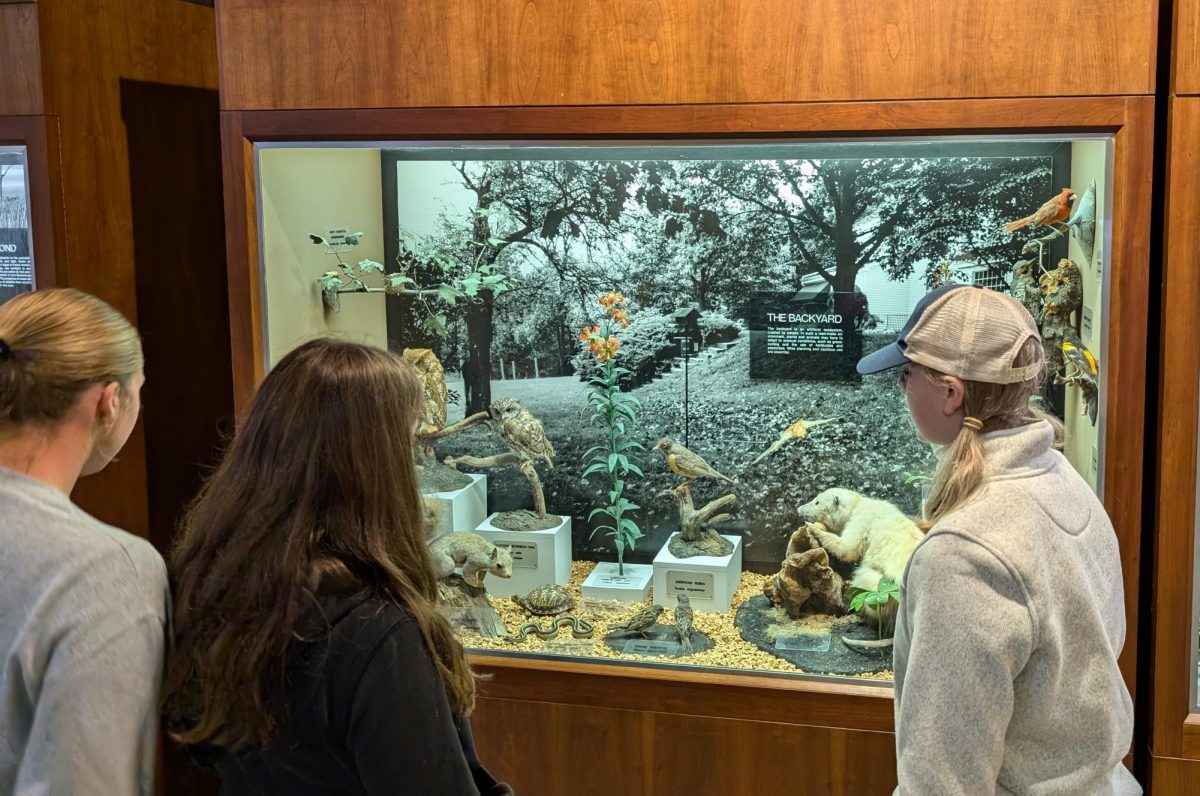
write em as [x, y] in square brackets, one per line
[810, 334]
[694, 584]
[16, 256]
[614, 580]
[651, 647]
[524, 554]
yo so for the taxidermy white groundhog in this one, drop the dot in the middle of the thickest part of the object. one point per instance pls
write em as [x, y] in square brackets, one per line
[860, 530]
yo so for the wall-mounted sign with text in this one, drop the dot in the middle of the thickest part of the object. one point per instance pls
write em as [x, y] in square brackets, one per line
[16, 256]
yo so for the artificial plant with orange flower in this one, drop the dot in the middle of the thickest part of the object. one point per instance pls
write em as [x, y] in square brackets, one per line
[616, 411]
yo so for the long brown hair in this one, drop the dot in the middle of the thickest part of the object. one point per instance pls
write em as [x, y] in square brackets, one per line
[960, 472]
[318, 485]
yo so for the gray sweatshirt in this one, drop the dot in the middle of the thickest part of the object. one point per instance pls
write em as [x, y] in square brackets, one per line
[1012, 614]
[83, 608]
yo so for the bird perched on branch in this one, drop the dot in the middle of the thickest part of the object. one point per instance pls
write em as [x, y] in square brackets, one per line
[686, 463]
[640, 622]
[1054, 211]
[520, 430]
[797, 430]
[1086, 375]
[683, 621]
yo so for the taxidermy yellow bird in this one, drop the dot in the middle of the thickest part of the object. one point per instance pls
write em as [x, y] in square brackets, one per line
[797, 430]
[1086, 376]
[686, 463]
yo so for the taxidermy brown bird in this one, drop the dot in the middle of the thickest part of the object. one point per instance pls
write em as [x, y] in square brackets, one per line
[1054, 211]
[640, 622]
[797, 430]
[686, 463]
[683, 621]
[520, 430]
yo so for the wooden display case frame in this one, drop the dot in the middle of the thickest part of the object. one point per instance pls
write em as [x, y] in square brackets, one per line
[1175, 729]
[622, 708]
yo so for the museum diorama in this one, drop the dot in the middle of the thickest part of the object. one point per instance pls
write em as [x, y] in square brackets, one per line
[644, 438]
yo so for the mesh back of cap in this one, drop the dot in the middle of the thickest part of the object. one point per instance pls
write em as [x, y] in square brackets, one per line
[975, 335]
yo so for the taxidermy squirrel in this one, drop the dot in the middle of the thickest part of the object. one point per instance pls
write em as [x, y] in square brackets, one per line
[472, 553]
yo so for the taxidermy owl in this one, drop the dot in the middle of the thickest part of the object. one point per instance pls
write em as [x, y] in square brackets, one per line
[433, 382]
[520, 430]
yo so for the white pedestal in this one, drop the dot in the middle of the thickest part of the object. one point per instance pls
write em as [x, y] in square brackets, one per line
[539, 557]
[708, 581]
[463, 509]
[604, 582]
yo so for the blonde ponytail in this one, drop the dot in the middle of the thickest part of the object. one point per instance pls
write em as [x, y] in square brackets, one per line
[960, 471]
[54, 344]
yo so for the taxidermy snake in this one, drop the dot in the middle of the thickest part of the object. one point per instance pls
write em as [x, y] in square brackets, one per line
[580, 628]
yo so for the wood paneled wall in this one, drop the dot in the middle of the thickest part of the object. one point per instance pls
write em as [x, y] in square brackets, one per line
[20, 61]
[289, 54]
[71, 62]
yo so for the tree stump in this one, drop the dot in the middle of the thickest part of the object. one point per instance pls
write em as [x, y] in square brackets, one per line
[697, 534]
[805, 583]
[467, 608]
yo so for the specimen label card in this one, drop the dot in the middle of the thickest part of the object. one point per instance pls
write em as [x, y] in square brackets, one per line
[693, 584]
[648, 647]
[524, 554]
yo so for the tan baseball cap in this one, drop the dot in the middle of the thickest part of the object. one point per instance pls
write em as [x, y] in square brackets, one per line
[969, 332]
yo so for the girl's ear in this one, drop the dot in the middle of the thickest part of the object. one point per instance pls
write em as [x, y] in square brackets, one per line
[956, 393]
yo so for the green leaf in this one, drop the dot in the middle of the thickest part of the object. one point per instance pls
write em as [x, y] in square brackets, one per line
[448, 293]
[856, 604]
[329, 281]
[318, 240]
[470, 286]
[353, 238]
[613, 458]
[602, 510]
[630, 527]
[496, 241]
[367, 266]
[633, 468]
[598, 467]
[611, 530]
[436, 324]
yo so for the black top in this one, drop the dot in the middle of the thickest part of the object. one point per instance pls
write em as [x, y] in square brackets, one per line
[367, 714]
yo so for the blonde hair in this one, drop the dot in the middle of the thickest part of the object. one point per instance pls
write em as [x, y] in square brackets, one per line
[959, 474]
[54, 344]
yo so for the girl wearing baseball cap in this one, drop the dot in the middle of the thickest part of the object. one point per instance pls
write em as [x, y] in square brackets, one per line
[1013, 610]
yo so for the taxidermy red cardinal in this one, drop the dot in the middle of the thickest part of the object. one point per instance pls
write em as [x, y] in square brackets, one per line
[1055, 211]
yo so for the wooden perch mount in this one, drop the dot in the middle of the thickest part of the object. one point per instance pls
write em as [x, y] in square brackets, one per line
[698, 535]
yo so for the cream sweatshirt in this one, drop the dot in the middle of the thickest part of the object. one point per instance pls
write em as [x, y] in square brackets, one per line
[83, 608]
[1011, 618]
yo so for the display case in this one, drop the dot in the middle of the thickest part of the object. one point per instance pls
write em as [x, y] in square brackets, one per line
[639, 359]
[551, 74]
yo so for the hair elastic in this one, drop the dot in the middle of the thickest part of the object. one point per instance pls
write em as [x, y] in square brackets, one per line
[973, 423]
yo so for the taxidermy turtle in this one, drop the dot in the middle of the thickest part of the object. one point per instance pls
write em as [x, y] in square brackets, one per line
[546, 600]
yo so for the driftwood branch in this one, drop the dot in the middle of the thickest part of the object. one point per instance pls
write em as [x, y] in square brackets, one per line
[461, 425]
[523, 463]
[695, 525]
